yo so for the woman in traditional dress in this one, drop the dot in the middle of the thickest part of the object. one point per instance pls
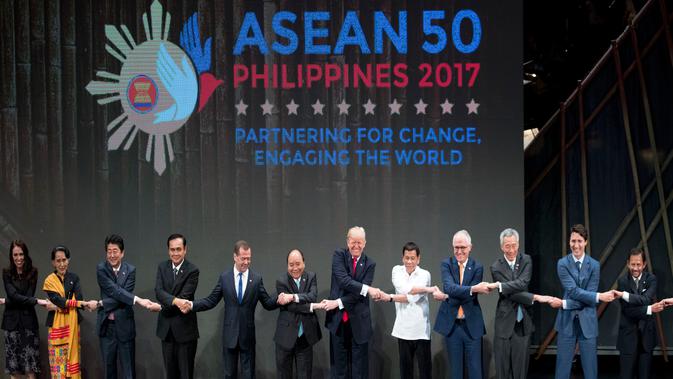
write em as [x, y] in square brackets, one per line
[19, 320]
[64, 291]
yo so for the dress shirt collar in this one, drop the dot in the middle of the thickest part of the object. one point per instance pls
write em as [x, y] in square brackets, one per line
[176, 267]
[638, 278]
[236, 272]
[410, 273]
[581, 260]
[510, 263]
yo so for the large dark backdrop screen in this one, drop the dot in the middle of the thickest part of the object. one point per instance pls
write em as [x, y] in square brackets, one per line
[282, 123]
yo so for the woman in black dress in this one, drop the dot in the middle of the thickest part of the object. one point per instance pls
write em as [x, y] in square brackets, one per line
[19, 321]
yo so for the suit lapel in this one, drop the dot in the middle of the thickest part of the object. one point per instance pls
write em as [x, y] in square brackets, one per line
[180, 277]
[348, 261]
[67, 285]
[248, 290]
[293, 285]
[632, 283]
[455, 271]
[468, 272]
[303, 281]
[360, 268]
[122, 274]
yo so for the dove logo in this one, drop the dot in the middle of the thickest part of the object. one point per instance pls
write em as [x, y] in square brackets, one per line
[160, 85]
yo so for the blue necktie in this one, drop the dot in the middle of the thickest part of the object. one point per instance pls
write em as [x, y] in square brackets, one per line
[301, 327]
[519, 311]
[240, 287]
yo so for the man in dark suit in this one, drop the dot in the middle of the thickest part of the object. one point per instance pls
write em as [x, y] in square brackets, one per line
[348, 318]
[177, 279]
[297, 328]
[241, 289]
[115, 323]
[576, 322]
[513, 323]
[459, 318]
[637, 330]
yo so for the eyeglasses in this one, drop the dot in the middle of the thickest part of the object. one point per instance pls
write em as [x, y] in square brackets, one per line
[460, 247]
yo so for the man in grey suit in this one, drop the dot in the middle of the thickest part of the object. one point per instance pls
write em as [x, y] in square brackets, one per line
[513, 324]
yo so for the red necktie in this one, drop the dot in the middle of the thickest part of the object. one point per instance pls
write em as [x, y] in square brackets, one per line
[344, 317]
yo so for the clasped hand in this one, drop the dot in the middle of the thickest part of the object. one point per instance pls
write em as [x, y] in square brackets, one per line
[183, 304]
[285, 298]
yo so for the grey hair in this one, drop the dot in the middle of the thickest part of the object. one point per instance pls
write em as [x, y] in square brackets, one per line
[356, 230]
[508, 233]
[465, 234]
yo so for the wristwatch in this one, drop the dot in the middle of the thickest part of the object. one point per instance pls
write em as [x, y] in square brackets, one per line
[391, 299]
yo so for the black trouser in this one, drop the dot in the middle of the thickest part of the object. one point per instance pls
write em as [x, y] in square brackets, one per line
[348, 359]
[420, 349]
[636, 364]
[178, 357]
[511, 354]
[231, 357]
[111, 348]
[301, 355]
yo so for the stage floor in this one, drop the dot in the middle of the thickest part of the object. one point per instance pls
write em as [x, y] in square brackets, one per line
[608, 367]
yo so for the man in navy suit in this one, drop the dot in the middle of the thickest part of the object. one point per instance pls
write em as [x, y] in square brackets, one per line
[348, 318]
[637, 330]
[240, 288]
[115, 323]
[576, 321]
[459, 318]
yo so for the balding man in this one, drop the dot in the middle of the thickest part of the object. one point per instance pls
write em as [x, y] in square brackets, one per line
[459, 319]
[348, 318]
[297, 328]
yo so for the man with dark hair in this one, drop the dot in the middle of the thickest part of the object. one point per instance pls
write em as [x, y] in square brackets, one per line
[297, 327]
[576, 322]
[177, 279]
[115, 323]
[412, 313]
[240, 288]
[637, 337]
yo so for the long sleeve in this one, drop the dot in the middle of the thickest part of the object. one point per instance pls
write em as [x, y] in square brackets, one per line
[268, 302]
[210, 301]
[14, 296]
[345, 281]
[458, 293]
[116, 293]
[351, 298]
[521, 283]
[304, 306]
[573, 291]
[163, 296]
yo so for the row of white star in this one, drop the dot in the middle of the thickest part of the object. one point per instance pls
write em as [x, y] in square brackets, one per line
[318, 107]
